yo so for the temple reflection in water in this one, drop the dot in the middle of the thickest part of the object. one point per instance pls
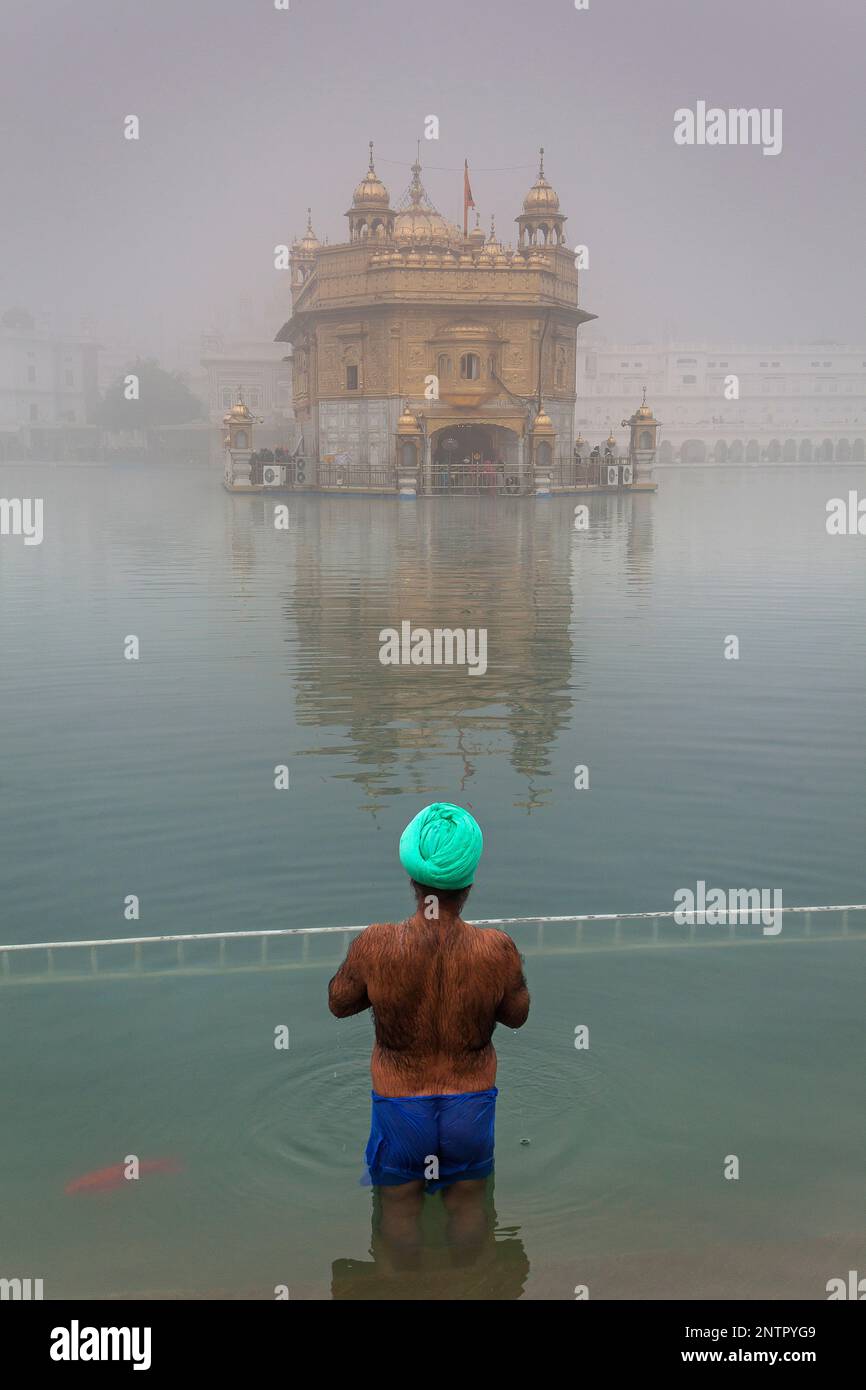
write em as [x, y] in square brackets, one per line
[353, 567]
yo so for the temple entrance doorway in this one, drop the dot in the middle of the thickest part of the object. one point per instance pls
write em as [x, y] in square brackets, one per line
[469, 458]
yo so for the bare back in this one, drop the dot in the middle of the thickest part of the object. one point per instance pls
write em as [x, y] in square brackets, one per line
[437, 989]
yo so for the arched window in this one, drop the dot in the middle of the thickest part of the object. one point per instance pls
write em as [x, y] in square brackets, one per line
[470, 366]
[443, 366]
[241, 439]
[351, 378]
[645, 441]
[491, 365]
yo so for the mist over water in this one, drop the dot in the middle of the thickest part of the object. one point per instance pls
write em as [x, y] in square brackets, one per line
[666, 700]
[605, 648]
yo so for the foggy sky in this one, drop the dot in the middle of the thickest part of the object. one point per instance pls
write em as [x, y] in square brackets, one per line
[249, 114]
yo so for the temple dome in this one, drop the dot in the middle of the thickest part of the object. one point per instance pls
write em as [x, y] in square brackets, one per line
[423, 224]
[309, 243]
[476, 236]
[418, 220]
[371, 191]
[541, 196]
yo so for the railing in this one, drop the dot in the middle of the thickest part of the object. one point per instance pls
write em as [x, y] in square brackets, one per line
[474, 479]
[591, 472]
[299, 948]
[353, 477]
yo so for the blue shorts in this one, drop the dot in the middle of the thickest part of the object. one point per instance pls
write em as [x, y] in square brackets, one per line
[435, 1139]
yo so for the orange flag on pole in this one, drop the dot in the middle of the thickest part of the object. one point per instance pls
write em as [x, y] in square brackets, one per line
[468, 200]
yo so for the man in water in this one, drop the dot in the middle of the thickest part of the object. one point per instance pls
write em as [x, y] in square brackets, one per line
[437, 988]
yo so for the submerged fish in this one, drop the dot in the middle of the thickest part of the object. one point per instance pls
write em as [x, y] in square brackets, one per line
[103, 1179]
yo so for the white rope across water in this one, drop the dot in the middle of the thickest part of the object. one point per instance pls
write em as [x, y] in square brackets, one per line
[745, 912]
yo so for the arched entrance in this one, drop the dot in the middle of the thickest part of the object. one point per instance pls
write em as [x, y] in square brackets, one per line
[473, 458]
[694, 451]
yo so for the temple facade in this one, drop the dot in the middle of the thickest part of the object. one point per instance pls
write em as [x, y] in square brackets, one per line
[428, 358]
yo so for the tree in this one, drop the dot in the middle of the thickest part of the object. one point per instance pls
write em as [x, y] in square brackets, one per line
[163, 398]
[18, 319]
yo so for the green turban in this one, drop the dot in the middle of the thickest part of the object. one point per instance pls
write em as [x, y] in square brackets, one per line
[442, 846]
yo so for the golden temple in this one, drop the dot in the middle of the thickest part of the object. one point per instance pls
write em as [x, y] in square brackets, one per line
[427, 358]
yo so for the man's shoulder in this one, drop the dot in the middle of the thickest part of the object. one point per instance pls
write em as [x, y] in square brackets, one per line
[496, 941]
[378, 934]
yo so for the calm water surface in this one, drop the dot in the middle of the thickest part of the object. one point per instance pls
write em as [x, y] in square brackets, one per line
[605, 648]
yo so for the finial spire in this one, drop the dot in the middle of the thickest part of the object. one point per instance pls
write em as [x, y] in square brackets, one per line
[372, 170]
[416, 190]
[310, 220]
[541, 162]
[643, 402]
[493, 226]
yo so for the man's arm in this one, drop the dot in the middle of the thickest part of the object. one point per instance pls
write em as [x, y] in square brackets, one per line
[347, 991]
[513, 1007]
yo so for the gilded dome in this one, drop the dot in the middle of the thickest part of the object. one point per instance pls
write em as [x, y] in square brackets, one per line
[644, 411]
[309, 243]
[541, 196]
[422, 225]
[418, 220]
[239, 412]
[408, 423]
[476, 236]
[371, 191]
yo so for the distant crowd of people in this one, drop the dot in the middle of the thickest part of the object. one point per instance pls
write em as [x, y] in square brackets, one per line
[595, 455]
[271, 456]
[474, 473]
